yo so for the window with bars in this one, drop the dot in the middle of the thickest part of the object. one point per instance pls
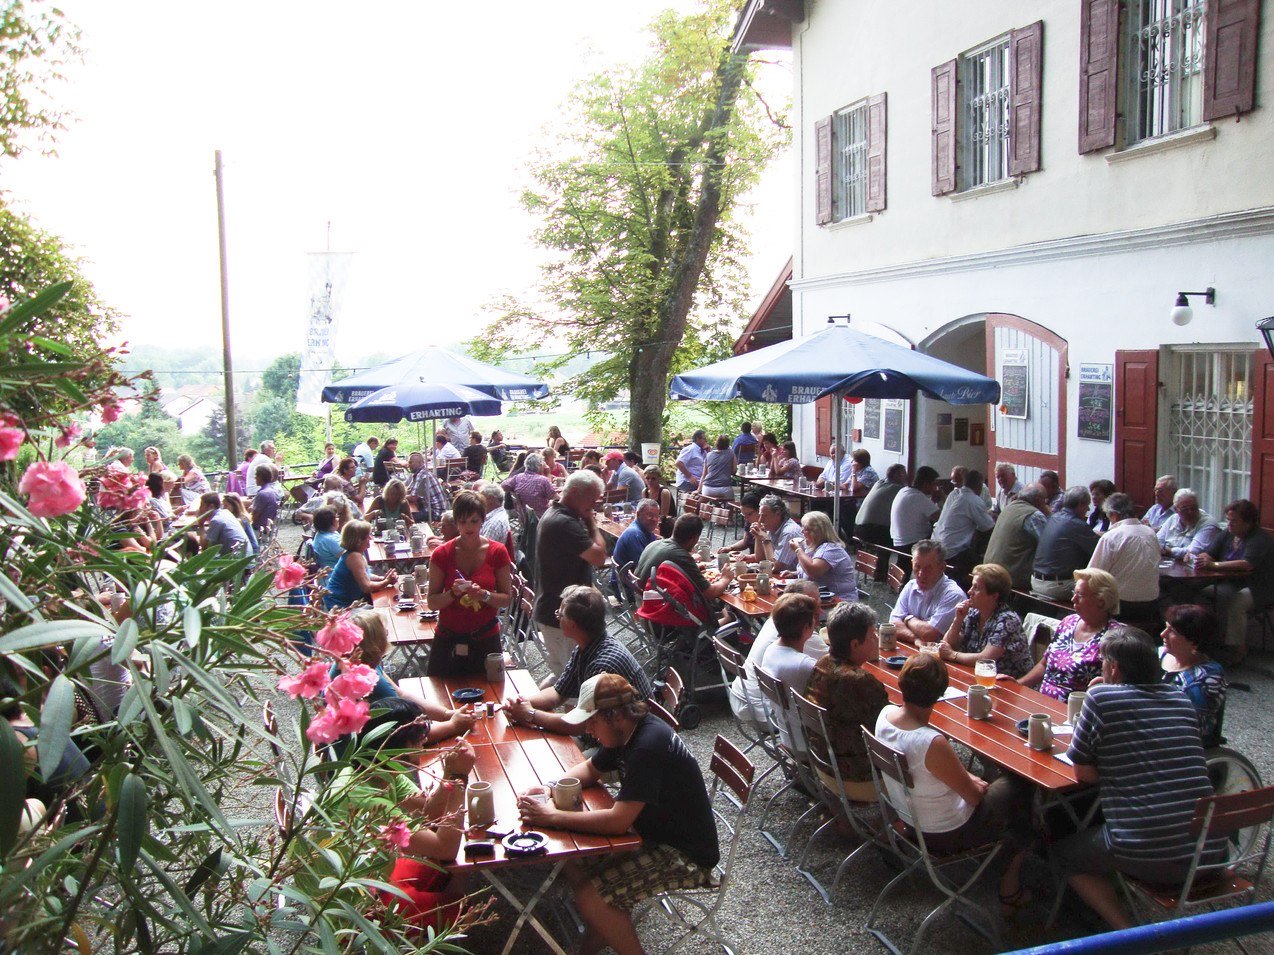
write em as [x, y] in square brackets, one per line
[1165, 59]
[1209, 429]
[849, 162]
[984, 114]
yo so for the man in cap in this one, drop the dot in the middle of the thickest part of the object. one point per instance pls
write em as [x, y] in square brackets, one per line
[662, 795]
[619, 475]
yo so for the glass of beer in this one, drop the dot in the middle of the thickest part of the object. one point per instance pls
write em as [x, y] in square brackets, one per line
[984, 671]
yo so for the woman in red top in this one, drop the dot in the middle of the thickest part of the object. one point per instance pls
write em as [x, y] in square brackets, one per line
[469, 581]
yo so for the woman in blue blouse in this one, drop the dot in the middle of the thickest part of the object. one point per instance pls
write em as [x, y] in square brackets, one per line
[1186, 658]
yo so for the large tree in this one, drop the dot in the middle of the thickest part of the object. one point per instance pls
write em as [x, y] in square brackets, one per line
[636, 198]
[36, 43]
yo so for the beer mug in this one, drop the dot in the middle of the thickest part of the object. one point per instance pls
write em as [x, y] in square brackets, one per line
[1075, 704]
[984, 672]
[765, 566]
[886, 633]
[763, 584]
[481, 804]
[568, 794]
[979, 703]
[407, 583]
[495, 667]
[1039, 732]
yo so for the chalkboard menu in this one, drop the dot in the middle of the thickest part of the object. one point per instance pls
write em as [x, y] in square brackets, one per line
[1096, 402]
[1013, 388]
[871, 418]
[893, 429]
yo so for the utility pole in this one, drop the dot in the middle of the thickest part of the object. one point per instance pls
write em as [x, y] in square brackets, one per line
[232, 449]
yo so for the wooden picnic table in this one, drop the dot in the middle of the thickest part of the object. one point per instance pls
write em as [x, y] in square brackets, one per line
[786, 488]
[515, 759]
[381, 552]
[996, 739]
[406, 631]
[1179, 570]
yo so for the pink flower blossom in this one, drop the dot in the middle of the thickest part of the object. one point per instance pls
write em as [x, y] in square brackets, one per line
[307, 684]
[111, 411]
[68, 435]
[290, 573]
[354, 684]
[122, 490]
[4, 304]
[53, 488]
[338, 719]
[340, 636]
[396, 834]
[10, 440]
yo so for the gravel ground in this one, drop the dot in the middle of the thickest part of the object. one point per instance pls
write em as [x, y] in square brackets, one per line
[771, 908]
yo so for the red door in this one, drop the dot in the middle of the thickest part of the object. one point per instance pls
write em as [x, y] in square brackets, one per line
[1137, 424]
[1037, 361]
[1263, 436]
[823, 426]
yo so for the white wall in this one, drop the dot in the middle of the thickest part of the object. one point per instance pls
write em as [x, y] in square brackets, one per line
[1100, 300]
[848, 50]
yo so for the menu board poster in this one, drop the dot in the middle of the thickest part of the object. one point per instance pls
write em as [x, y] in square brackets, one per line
[871, 418]
[1015, 376]
[1096, 402]
[893, 429]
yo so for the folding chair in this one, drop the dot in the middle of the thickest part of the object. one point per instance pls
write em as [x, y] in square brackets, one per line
[786, 752]
[671, 688]
[839, 806]
[865, 564]
[1207, 885]
[908, 844]
[733, 667]
[696, 910]
[897, 578]
[664, 714]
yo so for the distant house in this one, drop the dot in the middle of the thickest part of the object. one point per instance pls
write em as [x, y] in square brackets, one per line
[193, 412]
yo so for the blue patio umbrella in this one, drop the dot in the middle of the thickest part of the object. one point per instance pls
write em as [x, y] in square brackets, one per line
[836, 360]
[436, 366]
[422, 401]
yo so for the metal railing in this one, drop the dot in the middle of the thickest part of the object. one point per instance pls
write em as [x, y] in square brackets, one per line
[1162, 936]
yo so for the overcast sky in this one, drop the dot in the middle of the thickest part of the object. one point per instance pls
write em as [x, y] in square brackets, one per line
[403, 124]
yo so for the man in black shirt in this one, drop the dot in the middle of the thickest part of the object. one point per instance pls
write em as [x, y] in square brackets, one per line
[568, 546]
[385, 456]
[661, 795]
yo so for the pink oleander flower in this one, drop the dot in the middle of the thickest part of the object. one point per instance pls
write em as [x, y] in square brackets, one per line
[307, 684]
[4, 304]
[396, 834]
[339, 718]
[122, 490]
[290, 573]
[111, 411]
[340, 636]
[10, 440]
[354, 684]
[53, 488]
[68, 436]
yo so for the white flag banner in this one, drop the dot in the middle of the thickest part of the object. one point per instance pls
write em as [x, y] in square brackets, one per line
[328, 274]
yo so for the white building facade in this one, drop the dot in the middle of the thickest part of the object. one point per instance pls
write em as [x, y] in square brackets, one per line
[1023, 190]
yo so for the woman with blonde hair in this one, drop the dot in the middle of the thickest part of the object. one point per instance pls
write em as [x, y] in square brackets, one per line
[1073, 660]
[559, 445]
[392, 504]
[193, 481]
[823, 558]
[351, 579]
[154, 460]
[985, 626]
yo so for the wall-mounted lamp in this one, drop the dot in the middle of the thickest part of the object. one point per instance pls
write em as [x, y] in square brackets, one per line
[831, 319]
[1182, 312]
[1266, 327]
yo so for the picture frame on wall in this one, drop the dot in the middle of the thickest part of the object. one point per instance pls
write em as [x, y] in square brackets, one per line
[962, 429]
[977, 435]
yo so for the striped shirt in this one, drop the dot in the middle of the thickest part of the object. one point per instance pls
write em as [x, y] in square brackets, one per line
[603, 655]
[1144, 741]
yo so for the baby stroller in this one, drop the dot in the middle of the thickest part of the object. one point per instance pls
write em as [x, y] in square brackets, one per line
[681, 625]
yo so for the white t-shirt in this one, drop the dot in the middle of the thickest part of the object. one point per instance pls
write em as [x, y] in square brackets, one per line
[910, 518]
[792, 668]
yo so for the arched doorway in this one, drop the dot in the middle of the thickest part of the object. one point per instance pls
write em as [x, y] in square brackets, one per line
[1031, 433]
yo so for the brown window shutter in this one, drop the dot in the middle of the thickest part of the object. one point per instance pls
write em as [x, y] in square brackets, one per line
[823, 426]
[1229, 50]
[876, 129]
[1026, 88]
[1263, 436]
[823, 171]
[944, 128]
[1098, 73]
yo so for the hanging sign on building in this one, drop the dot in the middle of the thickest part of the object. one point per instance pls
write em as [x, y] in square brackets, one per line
[1015, 373]
[1096, 401]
